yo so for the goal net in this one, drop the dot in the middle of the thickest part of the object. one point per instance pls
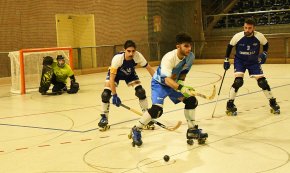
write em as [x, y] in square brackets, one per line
[26, 66]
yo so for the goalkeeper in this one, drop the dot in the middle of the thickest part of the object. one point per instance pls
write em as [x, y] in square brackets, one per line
[56, 73]
[168, 82]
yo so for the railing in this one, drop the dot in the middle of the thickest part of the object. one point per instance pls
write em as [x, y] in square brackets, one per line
[209, 18]
[101, 55]
[279, 51]
[217, 6]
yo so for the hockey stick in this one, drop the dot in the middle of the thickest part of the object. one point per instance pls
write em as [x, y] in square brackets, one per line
[155, 122]
[212, 115]
[194, 93]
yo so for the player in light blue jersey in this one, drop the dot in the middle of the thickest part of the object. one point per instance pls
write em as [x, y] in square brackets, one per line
[167, 81]
[248, 57]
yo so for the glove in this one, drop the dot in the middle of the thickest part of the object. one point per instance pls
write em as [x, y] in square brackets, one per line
[227, 64]
[186, 90]
[180, 82]
[116, 100]
[74, 88]
[262, 57]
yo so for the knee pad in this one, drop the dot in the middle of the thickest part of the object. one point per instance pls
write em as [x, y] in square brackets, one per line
[155, 111]
[140, 92]
[239, 81]
[106, 96]
[190, 102]
[262, 82]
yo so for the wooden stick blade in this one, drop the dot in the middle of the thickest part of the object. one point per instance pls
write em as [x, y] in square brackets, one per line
[212, 96]
[156, 122]
[168, 128]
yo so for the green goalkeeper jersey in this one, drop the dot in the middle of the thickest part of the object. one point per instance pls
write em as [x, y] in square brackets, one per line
[62, 73]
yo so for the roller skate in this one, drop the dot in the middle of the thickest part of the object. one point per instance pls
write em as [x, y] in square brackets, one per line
[135, 135]
[231, 108]
[149, 126]
[103, 124]
[275, 108]
[195, 133]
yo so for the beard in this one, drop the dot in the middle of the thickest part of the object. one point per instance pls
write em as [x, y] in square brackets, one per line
[184, 53]
[248, 34]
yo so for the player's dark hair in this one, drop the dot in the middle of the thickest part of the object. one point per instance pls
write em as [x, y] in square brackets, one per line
[183, 38]
[129, 43]
[250, 21]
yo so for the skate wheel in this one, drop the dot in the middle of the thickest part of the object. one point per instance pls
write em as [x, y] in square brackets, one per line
[130, 136]
[102, 129]
[189, 141]
[148, 128]
[139, 144]
[231, 113]
[105, 128]
[133, 144]
[274, 112]
[201, 141]
[228, 113]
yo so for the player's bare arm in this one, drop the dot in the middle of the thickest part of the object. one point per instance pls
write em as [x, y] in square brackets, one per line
[171, 83]
[112, 83]
[150, 70]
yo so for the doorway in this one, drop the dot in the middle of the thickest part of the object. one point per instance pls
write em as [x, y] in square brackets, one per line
[78, 31]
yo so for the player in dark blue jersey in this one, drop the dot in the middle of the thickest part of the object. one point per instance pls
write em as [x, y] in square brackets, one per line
[248, 57]
[123, 68]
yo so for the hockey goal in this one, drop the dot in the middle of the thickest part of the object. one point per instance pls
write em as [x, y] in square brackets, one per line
[26, 66]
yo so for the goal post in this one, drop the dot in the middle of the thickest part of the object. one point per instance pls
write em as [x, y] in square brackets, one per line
[26, 66]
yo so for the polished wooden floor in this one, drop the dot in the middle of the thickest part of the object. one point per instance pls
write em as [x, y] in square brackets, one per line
[59, 134]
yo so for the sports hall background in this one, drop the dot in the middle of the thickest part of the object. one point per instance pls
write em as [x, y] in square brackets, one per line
[96, 29]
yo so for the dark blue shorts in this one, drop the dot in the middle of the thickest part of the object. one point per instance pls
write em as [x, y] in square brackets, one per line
[160, 92]
[127, 78]
[253, 69]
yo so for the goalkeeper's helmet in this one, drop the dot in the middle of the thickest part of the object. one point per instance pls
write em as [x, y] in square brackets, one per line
[47, 60]
[60, 61]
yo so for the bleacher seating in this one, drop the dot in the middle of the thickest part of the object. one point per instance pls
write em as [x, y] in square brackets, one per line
[275, 20]
[243, 6]
[285, 19]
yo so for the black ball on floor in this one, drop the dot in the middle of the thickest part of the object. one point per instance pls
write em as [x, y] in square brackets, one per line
[166, 158]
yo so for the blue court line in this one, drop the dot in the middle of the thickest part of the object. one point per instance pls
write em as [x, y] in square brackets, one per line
[228, 98]
[65, 130]
[44, 128]
[84, 131]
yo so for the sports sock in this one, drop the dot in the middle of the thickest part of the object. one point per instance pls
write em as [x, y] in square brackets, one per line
[143, 104]
[232, 93]
[105, 108]
[144, 120]
[190, 117]
[268, 94]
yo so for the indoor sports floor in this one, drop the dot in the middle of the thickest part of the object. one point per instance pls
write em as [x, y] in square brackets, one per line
[59, 134]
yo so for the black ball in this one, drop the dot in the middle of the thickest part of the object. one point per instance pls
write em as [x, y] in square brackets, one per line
[166, 158]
